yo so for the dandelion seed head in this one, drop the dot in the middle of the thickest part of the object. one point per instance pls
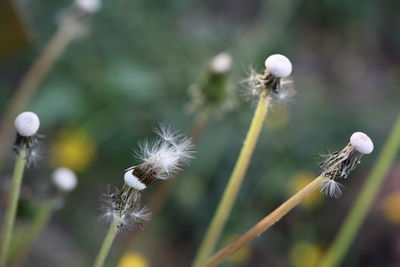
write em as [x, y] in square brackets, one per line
[132, 181]
[89, 6]
[362, 143]
[278, 65]
[331, 188]
[221, 63]
[27, 123]
[64, 179]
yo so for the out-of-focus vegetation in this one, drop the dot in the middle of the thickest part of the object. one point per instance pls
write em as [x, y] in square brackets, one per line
[133, 70]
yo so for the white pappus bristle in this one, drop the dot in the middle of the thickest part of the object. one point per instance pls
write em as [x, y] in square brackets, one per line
[64, 179]
[27, 123]
[331, 188]
[278, 65]
[362, 143]
[132, 181]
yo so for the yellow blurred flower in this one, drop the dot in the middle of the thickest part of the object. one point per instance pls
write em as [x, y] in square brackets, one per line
[278, 118]
[73, 149]
[242, 255]
[133, 259]
[298, 181]
[391, 207]
[304, 254]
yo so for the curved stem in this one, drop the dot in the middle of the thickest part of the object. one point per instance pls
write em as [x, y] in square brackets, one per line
[11, 212]
[360, 209]
[265, 223]
[235, 181]
[105, 248]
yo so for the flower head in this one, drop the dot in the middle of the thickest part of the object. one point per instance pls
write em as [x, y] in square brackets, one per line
[88, 6]
[278, 65]
[161, 158]
[64, 179]
[27, 124]
[221, 63]
[361, 142]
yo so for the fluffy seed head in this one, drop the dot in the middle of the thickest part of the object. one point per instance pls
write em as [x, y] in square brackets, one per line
[221, 63]
[278, 65]
[64, 179]
[361, 142]
[132, 181]
[89, 6]
[27, 123]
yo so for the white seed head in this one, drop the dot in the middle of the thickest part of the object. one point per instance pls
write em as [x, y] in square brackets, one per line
[27, 123]
[221, 63]
[89, 6]
[278, 65]
[65, 179]
[132, 181]
[361, 142]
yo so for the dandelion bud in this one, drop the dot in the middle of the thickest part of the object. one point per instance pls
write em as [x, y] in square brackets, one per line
[89, 6]
[361, 142]
[64, 179]
[27, 124]
[132, 181]
[278, 65]
[221, 63]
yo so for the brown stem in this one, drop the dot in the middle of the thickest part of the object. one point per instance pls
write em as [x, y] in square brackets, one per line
[265, 223]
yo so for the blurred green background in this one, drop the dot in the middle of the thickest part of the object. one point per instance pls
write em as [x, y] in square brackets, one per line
[133, 69]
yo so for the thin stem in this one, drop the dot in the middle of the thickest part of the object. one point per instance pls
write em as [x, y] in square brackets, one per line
[31, 81]
[235, 181]
[265, 223]
[12, 206]
[105, 248]
[18, 254]
[360, 209]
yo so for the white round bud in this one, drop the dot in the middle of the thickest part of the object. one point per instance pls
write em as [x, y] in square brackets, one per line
[361, 142]
[64, 179]
[89, 6]
[27, 123]
[278, 65]
[132, 181]
[221, 63]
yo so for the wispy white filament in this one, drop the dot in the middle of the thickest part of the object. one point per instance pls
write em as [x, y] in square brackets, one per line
[331, 188]
[362, 143]
[27, 123]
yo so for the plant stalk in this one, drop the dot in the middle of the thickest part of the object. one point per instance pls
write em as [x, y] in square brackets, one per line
[365, 199]
[265, 223]
[11, 211]
[105, 248]
[225, 206]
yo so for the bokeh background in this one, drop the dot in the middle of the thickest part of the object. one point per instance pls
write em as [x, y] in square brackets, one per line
[132, 70]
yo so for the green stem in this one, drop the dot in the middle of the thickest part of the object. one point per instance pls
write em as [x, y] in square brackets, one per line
[235, 181]
[12, 206]
[105, 248]
[19, 252]
[364, 201]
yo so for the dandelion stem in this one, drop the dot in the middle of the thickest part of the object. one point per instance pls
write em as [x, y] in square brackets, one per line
[40, 220]
[105, 248]
[235, 181]
[265, 223]
[12, 206]
[31, 81]
[364, 201]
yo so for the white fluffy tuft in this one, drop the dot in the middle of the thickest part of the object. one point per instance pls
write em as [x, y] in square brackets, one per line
[65, 179]
[362, 143]
[331, 188]
[143, 214]
[168, 154]
[132, 181]
[27, 123]
[278, 65]
[89, 6]
[221, 63]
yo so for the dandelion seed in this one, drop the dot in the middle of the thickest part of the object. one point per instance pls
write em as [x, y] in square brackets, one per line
[331, 188]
